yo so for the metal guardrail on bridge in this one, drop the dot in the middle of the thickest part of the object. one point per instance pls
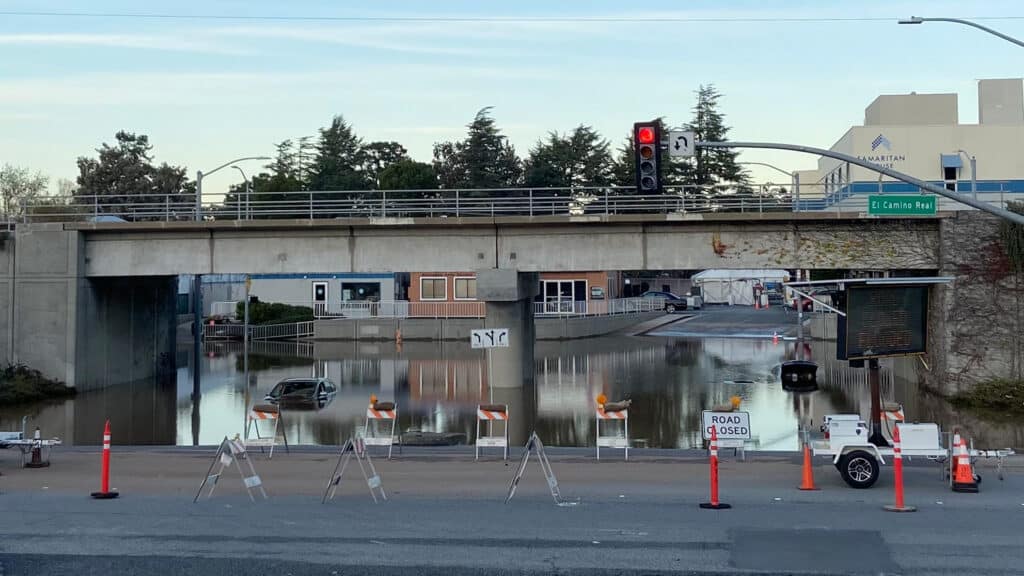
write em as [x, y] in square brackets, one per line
[289, 331]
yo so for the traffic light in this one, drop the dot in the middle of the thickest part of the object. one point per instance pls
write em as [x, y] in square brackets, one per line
[647, 147]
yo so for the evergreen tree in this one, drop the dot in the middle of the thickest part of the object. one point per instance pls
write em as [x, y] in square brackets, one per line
[408, 174]
[485, 159]
[580, 158]
[719, 165]
[339, 160]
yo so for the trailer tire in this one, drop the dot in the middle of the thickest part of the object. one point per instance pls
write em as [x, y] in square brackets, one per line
[859, 469]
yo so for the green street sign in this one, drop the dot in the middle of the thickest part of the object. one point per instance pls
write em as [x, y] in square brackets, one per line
[901, 205]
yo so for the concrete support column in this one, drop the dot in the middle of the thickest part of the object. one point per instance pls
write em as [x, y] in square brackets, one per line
[508, 295]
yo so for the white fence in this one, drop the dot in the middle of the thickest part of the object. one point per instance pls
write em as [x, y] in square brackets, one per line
[287, 331]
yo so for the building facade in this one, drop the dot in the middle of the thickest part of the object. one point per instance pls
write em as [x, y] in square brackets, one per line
[920, 135]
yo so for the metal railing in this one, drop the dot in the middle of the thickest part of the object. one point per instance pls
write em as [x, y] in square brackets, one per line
[463, 203]
[421, 203]
[289, 331]
[598, 307]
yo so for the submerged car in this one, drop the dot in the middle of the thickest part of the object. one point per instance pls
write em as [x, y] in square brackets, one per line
[302, 393]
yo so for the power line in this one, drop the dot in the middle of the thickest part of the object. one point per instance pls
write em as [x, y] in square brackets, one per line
[464, 19]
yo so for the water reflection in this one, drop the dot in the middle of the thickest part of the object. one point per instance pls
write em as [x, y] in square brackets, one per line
[438, 385]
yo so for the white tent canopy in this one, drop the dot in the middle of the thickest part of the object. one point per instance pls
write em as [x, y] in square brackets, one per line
[728, 286]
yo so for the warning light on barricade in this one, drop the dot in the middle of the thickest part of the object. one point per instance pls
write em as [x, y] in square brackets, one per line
[602, 399]
[735, 401]
[373, 398]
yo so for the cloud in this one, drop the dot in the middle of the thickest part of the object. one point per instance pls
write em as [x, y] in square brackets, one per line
[172, 43]
[374, 37]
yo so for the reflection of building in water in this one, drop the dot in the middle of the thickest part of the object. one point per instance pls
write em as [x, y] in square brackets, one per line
[459, 382]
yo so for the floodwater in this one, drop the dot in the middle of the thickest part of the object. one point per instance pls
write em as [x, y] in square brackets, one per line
[670, 378]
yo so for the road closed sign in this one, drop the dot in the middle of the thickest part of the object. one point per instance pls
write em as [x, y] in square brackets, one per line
[729, 425]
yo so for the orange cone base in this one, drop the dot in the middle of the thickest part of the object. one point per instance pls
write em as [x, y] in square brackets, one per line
[711, 506]
[971, 488]
[892, 508]
[105, 495]
[808, 488]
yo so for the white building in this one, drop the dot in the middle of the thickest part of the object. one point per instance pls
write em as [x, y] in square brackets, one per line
[920, 135]
[735, 287]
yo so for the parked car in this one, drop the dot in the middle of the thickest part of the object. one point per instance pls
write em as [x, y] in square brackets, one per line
[302, 393]
[672, 302]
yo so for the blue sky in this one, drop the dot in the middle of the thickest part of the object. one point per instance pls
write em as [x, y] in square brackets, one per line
[207, 91]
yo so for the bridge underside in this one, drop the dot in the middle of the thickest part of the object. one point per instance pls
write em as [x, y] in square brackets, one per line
[524, 244]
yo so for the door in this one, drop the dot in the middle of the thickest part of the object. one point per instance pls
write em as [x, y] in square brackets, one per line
[319, 299]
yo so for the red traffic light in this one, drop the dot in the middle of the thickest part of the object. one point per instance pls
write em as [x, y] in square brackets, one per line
[645, 135]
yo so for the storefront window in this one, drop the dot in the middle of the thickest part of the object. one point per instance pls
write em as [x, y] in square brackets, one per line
[434, 289]
[465, 288]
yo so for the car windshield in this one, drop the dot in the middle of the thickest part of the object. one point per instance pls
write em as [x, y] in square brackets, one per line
[298, 387]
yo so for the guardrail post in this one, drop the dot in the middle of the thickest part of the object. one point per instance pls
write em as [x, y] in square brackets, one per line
[456, 203]
[531, 202]
[384, 203]
[95, 205]
[310, 204]
[605, 201]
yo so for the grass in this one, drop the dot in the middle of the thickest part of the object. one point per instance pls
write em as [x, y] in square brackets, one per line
[1000, 397]
[21, 385]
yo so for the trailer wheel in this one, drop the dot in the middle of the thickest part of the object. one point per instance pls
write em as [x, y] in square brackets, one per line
[859, 469]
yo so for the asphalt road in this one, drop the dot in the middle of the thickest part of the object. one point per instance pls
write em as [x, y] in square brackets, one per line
[732, 322]
[445, 515]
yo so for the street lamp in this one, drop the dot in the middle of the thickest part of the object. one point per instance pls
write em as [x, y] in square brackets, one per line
[920, 20]
[794, 176]
[199, 181]
[238, 199]
[974, 172]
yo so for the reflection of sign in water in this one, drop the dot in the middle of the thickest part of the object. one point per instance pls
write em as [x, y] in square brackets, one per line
[489, 338]
[884, 321]
[729, 425]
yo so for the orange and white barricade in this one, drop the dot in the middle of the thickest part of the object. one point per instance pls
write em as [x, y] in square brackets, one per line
[491, 413]
[379, 428]
[612, 411]
[270, 416]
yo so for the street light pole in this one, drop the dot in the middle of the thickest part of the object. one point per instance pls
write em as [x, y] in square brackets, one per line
[793, 176]
[920, 20]
[974, 172]
[238, 198]
[197, 281]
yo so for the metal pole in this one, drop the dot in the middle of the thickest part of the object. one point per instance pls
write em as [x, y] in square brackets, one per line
[197, 333]
[796, 191]
[919, 20]
[245, 349]
[199, 195]
[874, 382]
[974, 178]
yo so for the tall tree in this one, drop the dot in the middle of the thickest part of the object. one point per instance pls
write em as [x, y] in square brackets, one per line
[408, 175]
[381, 155]
[339, 160]
[273, 193]
[714, 166]
[485, 159]
[126, 181]
[19, 186]
[579, 158]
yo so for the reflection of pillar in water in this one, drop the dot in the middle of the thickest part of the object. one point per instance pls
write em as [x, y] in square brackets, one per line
[522, 407]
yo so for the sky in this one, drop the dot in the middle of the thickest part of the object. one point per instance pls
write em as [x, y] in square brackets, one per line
[207, 90]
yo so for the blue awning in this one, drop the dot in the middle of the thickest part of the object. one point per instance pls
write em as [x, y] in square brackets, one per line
[951, 161]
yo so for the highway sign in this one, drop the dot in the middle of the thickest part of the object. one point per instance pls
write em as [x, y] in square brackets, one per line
[489, 338]
[730, 425]
[680, 144]
[901, 204]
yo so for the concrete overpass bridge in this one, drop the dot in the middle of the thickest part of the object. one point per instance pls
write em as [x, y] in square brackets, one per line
[94, 303]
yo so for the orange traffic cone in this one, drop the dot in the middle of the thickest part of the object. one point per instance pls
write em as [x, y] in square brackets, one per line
[757, 303]
[963, 477]
[808, 480]
[775, 337]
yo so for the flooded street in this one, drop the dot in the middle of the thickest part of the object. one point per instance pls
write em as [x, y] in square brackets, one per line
[437, 386]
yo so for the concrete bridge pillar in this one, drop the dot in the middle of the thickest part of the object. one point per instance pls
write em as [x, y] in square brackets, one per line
[508, 295]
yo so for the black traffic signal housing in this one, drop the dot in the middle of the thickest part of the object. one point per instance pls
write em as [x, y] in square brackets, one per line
[647, 150]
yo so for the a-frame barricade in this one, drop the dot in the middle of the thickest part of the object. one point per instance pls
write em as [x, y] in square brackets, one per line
[534, 445]
[231, 451]
[355, 448]
[271, 416]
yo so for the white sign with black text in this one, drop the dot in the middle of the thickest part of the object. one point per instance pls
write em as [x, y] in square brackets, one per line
[489, 338]
[729, 425]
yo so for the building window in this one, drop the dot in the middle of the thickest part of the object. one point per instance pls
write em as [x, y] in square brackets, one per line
[465, 288]
[434, 289]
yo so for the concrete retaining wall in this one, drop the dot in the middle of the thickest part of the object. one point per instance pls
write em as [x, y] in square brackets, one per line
[561, 328]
